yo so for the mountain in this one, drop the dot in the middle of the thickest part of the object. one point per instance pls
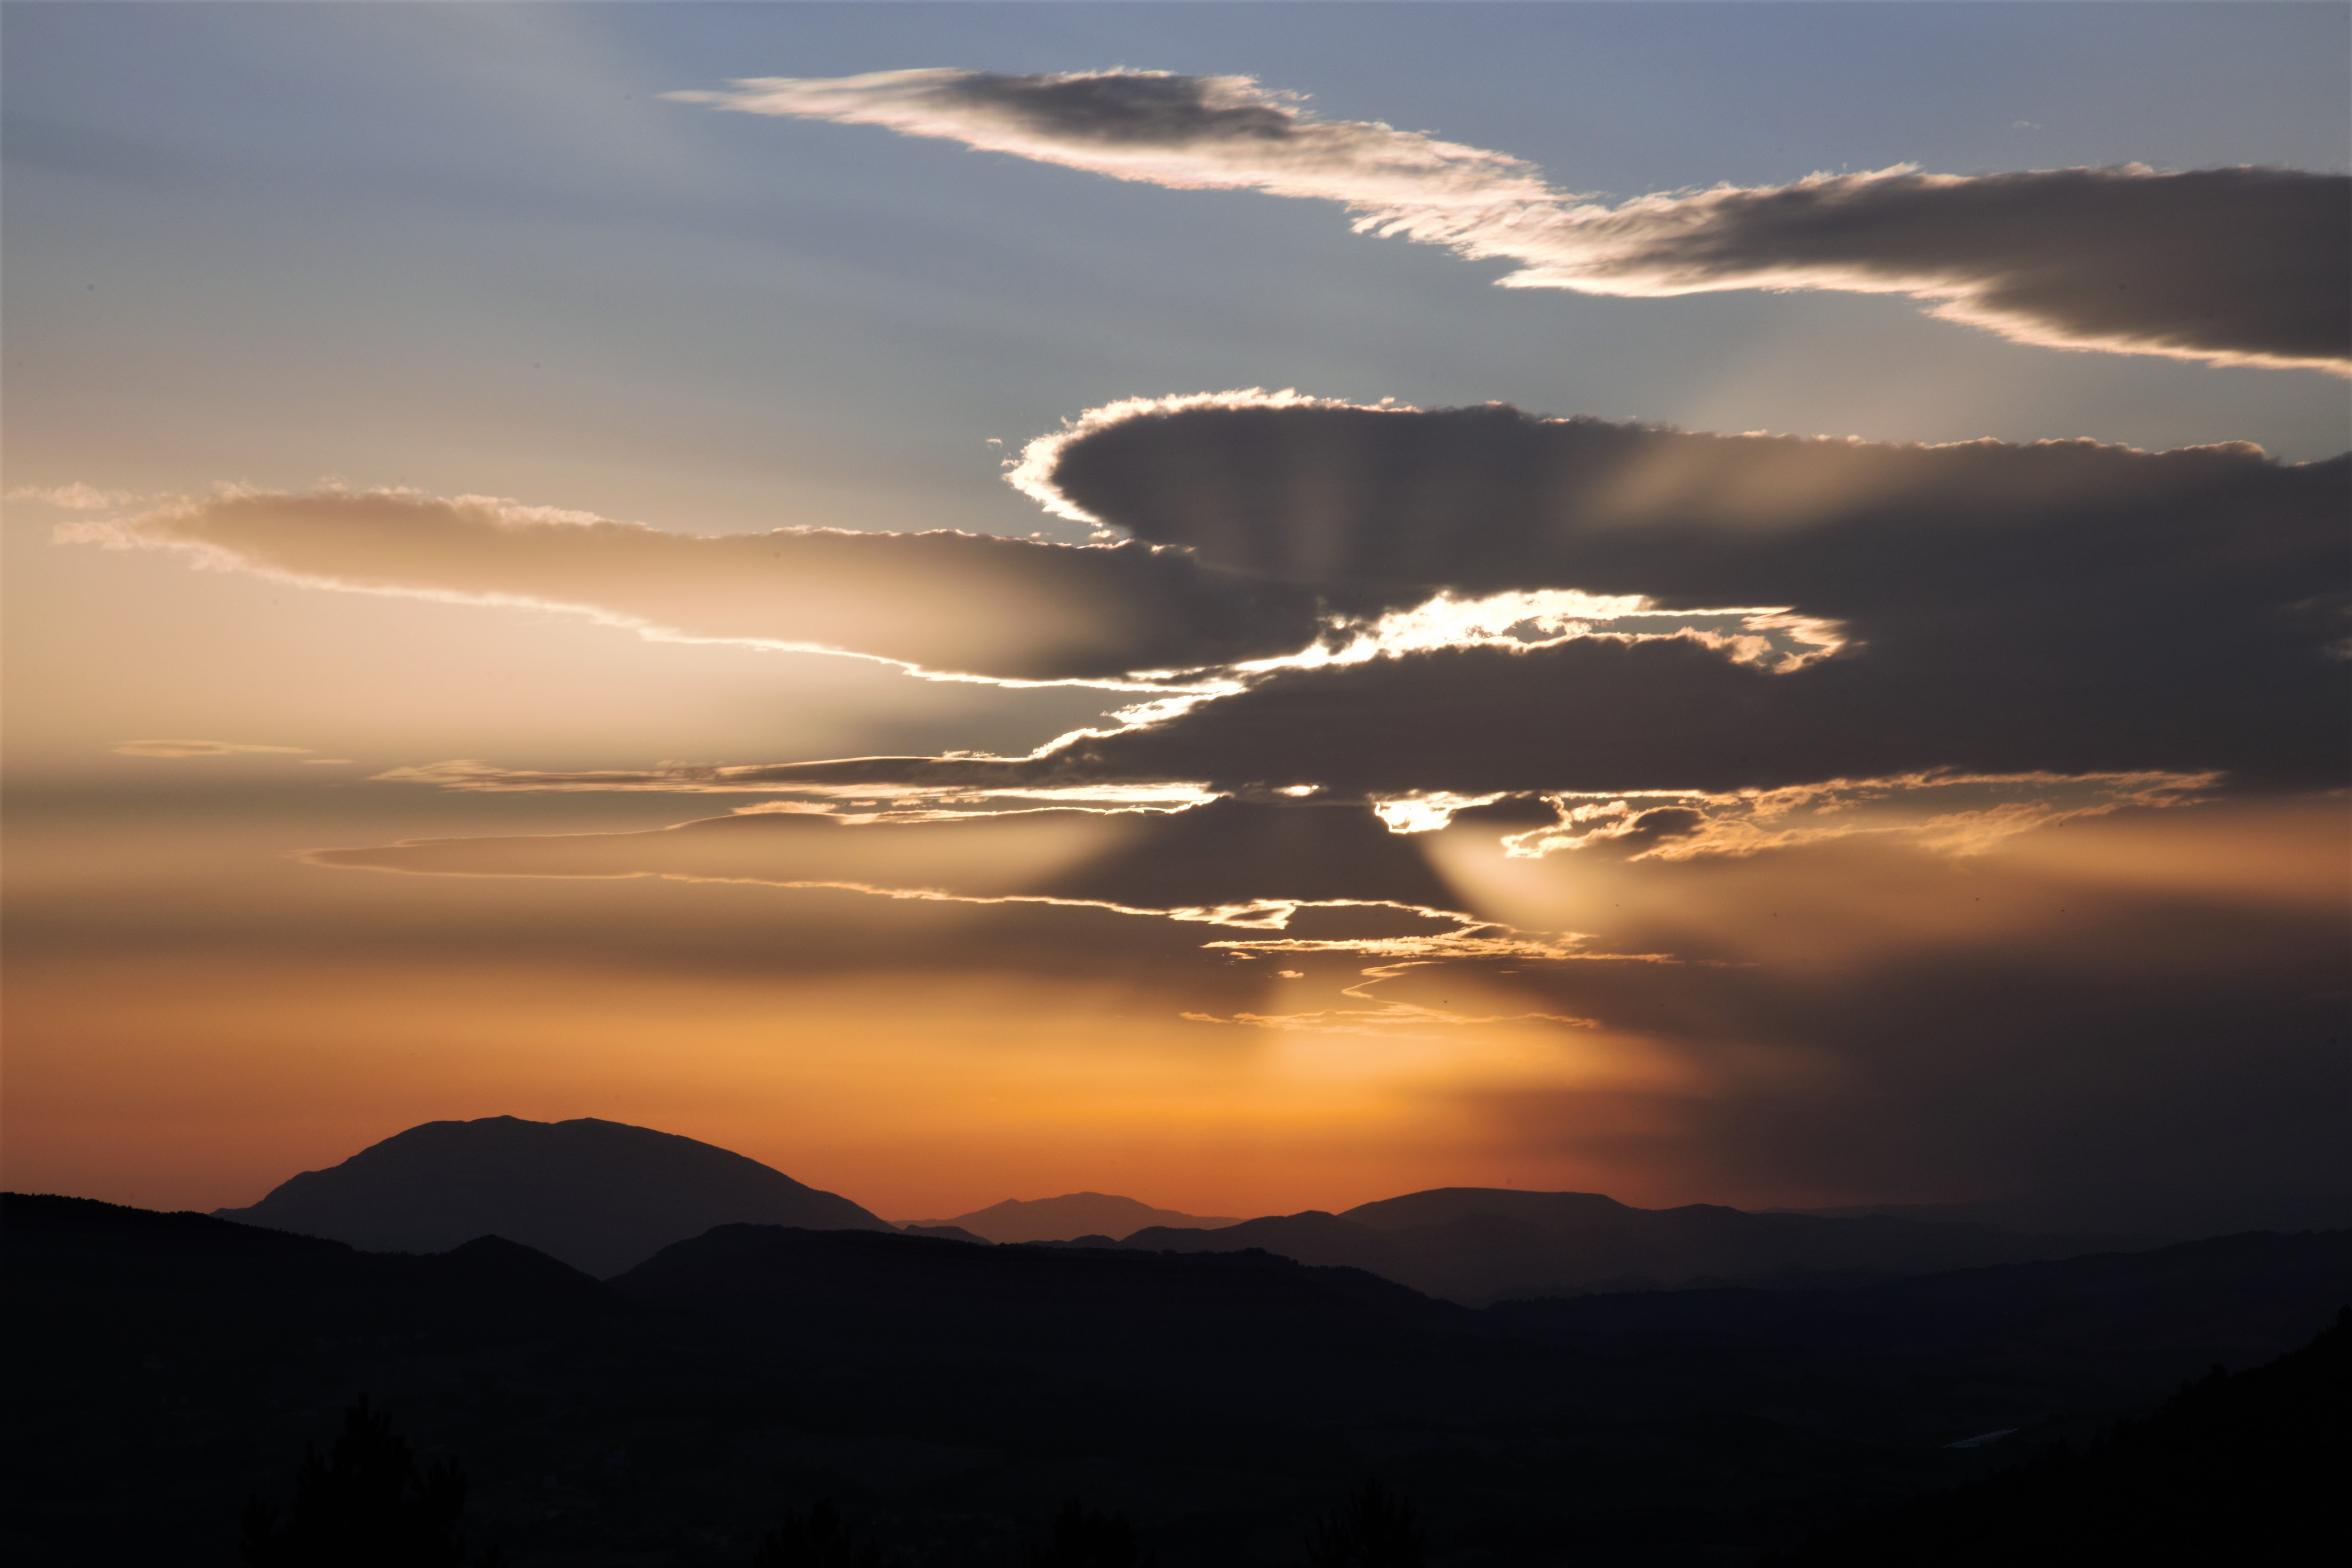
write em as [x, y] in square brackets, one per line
[2243, 1466]
[1477, 1244]
[2178, 1213]
[600, 1195]
[1071, 1216]
[163, 1368]
[908, 1291]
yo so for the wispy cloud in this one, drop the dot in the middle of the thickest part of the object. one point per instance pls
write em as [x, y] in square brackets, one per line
[1243, 866]
[207, 748]
[2244, 266]
[1951, 813]
[75, 497]
[944, 603]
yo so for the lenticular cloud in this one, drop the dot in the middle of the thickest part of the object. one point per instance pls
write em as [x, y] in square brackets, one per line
[2244, 266]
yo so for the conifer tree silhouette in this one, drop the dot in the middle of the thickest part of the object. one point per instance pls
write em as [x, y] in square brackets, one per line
[816, 1538]
[1375, 1530]
[1087, 1540]
[365, 1504]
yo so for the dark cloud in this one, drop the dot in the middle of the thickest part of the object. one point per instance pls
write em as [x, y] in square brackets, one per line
[2246, 264]
[1128, 108]
[2062, 607]
[2103, 1007]
[2234, 266]
[1601, 715]
[2059, 607]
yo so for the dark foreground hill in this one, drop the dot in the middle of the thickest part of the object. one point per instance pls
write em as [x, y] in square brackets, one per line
[2247, 1466]
[851, 1286]
[1477, 1244]
[163, 1367]
[601, 1196]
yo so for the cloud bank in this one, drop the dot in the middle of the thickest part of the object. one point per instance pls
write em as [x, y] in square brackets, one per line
[1385, 602]
[2244, 266]
[2060, 608]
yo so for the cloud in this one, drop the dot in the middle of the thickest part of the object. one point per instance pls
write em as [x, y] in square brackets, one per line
[1951, 813]
[1273, 877]
[1765, 612]
[75, 497]
[1227, 862]
[206, 749]
[2239, 265]
[1186, 131]
[2244, 266]
[2139, 1000]
[1996, 608]
[943, 601]
[2130, 998]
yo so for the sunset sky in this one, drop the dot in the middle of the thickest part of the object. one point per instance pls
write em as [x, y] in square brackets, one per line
[1258, 607]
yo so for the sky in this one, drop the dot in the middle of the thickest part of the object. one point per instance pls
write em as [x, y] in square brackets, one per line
[1258, 607]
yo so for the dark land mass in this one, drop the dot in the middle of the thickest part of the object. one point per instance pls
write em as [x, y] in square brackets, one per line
[2174, 1214]
[604, 1196]
[949, 1397]
[1478, 1245]
[2244, 1466]
[600, 1195]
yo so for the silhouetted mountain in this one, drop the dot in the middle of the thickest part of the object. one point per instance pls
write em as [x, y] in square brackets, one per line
[1947, 1356]
[1443, 1205]
[837, 1286]
[2244, 1466]
[1071, 1216]
[2180, 1214]
[945, 1233]
[161, 1368]
[194, 1275]
[1477, 1244]
[601, 1196]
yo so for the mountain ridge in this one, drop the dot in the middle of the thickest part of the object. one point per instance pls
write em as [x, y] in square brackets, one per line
[1478, 1245]
[604, 1196]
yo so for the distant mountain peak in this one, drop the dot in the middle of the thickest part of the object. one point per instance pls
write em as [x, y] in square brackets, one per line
[600, 1195]
[1447, 1205]
[1070, 1215]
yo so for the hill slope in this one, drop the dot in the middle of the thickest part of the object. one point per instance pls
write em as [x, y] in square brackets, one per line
[601, 1196]
[2235, 1468]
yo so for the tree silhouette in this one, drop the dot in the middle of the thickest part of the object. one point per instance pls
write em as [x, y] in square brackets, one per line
[1375, 1530]
[816, 1538]
[1086, 1540]
[364, 1505]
